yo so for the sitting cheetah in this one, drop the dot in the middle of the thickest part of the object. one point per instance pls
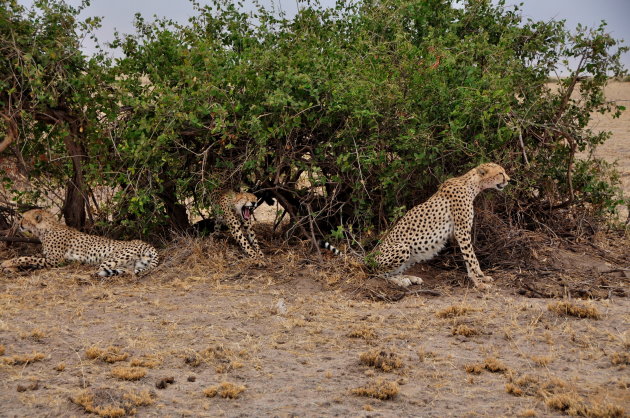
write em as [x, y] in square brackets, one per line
[61, 242]
[236, 211]
[423, 231]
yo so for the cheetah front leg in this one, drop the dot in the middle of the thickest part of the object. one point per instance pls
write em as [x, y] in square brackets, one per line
[14, 264]
[251, 238]
[242, 239]
[462, 236]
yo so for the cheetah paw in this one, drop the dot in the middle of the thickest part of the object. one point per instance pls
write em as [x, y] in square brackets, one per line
[9, 267]
[405, 281]
[486, 279]
[481, 285]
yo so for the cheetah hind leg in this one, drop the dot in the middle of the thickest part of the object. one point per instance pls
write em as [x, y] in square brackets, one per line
[147, 261]
[115, 265]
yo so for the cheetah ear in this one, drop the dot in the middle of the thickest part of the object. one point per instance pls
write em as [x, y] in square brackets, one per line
[481, 171]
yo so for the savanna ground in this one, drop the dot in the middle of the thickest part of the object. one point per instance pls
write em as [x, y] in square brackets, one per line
[211, 334]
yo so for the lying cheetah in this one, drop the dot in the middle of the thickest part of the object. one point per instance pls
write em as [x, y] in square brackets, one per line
[61, 242]
[423, 231]
[236, 211]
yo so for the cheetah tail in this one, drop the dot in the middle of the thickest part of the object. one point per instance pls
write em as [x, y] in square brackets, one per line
[328, 246]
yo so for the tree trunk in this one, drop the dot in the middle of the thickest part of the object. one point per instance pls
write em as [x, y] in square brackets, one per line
[76, 199]
[177, 214]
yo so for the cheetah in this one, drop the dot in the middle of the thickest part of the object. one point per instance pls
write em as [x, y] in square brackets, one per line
[424, 230]
[236, 211]
[61, 243]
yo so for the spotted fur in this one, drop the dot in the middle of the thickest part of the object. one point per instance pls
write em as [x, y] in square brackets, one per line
[61, 243]
[424, 230]
[236, 211]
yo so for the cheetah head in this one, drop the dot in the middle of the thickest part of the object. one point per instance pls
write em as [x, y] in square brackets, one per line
[492, 176]
[36, 220]
[244, 205]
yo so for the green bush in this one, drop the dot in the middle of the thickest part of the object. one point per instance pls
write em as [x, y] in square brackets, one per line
[347, 116]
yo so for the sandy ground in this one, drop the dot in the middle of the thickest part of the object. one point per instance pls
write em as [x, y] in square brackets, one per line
[308, 337]
[617, 148]
[301, 337]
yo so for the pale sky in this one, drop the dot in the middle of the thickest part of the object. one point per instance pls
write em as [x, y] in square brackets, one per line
[118, 14]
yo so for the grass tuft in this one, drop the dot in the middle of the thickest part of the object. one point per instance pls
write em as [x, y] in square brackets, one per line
[494, 365]
[380, 359]
[18, 360]
[512, 389]
[464, 330]
[620, 357]
[543, 361]
[570, 309]
[379, 389]
[112, 403]
[129, 373]
[455, 310]
[146, 361]
[85, 399]
[109, 355]
[490, 364]
[225, 390]
[570, 403]
[365, 333]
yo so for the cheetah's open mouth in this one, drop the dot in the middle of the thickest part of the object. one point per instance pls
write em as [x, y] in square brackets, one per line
[501, 186]
[246, 212]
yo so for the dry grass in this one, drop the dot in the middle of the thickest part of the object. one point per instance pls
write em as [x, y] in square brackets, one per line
[364, 332]
[424, 354]
[571, 309]
[620, 357]
[572, 404]
[18, 360]
[222, 358]
[490, 364]
[569, 403]
[2, 350]
[35, 335]
[109, 355]
[112, 403]
[211, 308]
[513, 389]
[464, 330]
[31, 386]
[475, 368]
[60, 367]
[454, 311]
[381, 359]
[85, 399]
[558, 396]
[129, 373]
[379, 389]
[147, 361]
[606, 410]
[542, 361]
[225, 390]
